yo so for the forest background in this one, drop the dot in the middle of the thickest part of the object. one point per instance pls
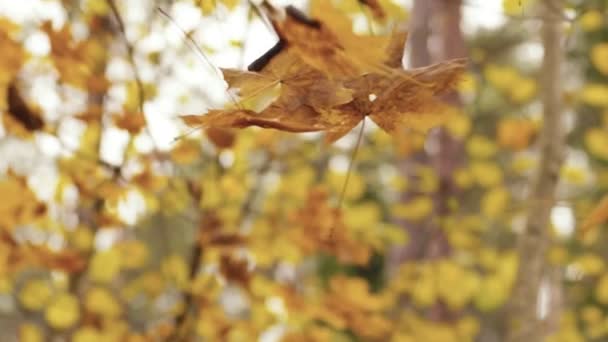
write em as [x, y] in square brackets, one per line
[480, 217]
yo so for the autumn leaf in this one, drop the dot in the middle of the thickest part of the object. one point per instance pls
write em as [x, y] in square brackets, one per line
[326, 42]
[235, 270]
[131, 122]
[303, 121]
[598, 215]
[397, 103]
[20, 111]
[393, 102]
[300, 84]
[66, 260]
[221, 137]
[375, 7]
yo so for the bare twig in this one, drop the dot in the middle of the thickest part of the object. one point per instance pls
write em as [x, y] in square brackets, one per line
[536, 238]
[131, 55]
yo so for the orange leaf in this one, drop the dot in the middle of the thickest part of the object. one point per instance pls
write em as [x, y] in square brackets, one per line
[20, 111]
[598, 215]
[131, 122]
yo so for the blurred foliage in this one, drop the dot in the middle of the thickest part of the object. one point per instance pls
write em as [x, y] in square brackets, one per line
[108, 234]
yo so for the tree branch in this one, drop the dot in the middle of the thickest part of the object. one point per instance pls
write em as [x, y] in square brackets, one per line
[534, 242]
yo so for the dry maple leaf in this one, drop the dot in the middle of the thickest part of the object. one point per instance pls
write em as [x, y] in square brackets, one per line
[327, 42]
[322, 91]
[395, 103]
[300, 84]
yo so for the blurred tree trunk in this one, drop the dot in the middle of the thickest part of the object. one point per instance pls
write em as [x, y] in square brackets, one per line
[433, 21]
[526, 323]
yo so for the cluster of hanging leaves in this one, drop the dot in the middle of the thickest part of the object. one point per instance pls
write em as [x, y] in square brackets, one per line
[326, 82]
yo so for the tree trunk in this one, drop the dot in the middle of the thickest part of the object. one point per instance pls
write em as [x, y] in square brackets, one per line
[524, 319]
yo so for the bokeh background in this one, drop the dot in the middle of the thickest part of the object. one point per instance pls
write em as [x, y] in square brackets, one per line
[120, 223]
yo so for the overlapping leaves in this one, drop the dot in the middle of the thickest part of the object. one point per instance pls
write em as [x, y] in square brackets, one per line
[327, 82]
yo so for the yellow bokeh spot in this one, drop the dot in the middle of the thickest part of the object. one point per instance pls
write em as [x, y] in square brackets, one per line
[416, 209]
[87, 334]
[463, 178]
[63, 312]
[514, 7]
[601, 289]
[599, 57]
[105, 266]
[495, 202]
[486, 174]
[134, 254]
[481, 147]
[501, 77]
[468, 83]
[82, 238]
[596, 140]
[175, 268]
[589, 264]
[29, 332]
[591, 20]
[523, 90]
[595, 94]
[100, 301]
[35, 294]
[573, 174]
[354, 189]
[459, 125]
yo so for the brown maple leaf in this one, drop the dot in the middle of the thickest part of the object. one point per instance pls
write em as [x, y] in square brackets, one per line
[395, 102]
[322, 91]
[300, 84]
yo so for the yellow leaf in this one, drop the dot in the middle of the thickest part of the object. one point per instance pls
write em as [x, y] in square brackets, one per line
[599, 57]
[63, 312]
